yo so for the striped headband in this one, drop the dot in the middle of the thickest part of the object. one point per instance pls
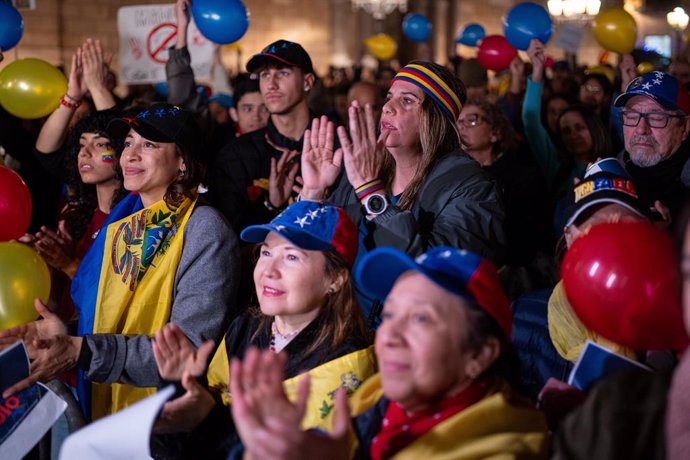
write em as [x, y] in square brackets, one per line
[432, 85]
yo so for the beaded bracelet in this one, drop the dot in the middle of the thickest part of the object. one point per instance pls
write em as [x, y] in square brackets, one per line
[70, 102]
[368, 188]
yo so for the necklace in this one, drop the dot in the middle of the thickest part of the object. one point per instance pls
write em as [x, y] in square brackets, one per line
[280, 341]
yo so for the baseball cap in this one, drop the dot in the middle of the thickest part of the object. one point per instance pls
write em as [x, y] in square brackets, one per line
[313, 226]
[605, 182]
[281, 52]
[224, 99]
[161, 122]
[460, 272]
[661, 87]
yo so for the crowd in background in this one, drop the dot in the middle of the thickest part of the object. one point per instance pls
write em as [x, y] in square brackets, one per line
[397, 233]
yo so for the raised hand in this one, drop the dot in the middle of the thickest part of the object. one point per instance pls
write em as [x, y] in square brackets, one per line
[76, 86]
[363, 156]
[628, 70]
[320, 164]
[538, 59]
[185, 413]
[95, 69]
[268, 423]
[182, 17]
[282, 179]
[175, 354]
[57, 249]
[517, 75]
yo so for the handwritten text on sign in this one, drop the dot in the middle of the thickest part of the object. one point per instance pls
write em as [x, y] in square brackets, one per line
[146, 33]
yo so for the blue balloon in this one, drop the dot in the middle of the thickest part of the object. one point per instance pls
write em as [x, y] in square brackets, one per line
[471, 35]
[416, 27]
[12, 26]
[525, 22]
[221, 21]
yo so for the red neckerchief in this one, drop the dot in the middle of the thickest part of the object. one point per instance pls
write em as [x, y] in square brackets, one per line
[400, 429]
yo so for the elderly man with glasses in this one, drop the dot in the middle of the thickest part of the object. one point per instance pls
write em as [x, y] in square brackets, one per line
[655, 120]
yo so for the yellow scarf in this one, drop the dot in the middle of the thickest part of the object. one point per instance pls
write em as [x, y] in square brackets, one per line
[500, 426]
[136, 286]
[348, 371]
[568, 334]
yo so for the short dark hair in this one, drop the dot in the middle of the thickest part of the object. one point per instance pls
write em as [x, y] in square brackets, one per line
[244, 84]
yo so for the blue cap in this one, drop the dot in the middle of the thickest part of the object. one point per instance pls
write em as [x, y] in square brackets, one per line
[460, 272]
[659, 86]
[223, 99]
[313, 226]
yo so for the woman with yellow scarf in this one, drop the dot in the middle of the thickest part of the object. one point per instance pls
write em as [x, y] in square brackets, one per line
[160, 257]
[306, 309]
[441, 351]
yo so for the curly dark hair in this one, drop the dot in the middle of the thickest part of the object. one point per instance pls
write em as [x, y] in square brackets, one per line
[82, 197]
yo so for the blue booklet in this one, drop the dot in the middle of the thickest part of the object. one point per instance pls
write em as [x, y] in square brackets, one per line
[596, 362]
[14, 365]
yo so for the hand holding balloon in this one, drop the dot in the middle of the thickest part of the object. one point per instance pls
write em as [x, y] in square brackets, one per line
[536, 55]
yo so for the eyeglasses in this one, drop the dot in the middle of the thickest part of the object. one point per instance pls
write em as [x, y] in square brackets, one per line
[594, 89]
[470, 121]
[653, 119]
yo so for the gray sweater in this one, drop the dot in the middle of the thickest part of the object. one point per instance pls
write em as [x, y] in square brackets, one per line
[204, 301]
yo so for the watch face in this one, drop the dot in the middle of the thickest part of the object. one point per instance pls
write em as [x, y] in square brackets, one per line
[376, 204]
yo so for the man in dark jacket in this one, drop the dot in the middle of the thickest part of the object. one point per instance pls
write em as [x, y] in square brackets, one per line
[239, 180]
[655, 110]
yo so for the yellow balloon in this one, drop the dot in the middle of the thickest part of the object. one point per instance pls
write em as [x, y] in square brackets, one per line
[234, 46]
[644, 67]
[602, 70]
[381, 46]
[24, 277]
[615, 30]
[31, 88]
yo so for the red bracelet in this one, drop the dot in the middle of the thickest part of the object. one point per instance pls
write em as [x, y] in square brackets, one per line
[69, 104]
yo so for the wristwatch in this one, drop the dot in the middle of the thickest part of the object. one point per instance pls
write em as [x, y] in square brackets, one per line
[375, 204]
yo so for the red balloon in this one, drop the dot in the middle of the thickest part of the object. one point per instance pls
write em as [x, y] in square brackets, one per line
[495, 53]
[622, 281]
[15, 205]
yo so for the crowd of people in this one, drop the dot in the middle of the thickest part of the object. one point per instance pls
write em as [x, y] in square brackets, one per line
[351, 267]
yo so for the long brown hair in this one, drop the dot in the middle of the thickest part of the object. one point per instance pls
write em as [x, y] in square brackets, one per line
[438, 135]
[339, 318]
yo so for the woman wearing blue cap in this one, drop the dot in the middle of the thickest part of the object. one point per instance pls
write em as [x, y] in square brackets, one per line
[306, 309]
[160, 256]
[439, 393]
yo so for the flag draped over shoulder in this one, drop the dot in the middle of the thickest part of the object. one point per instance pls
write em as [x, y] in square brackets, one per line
[348, 371]
[125, 285]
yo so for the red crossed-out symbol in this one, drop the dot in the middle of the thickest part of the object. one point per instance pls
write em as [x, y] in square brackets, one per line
[159, 39]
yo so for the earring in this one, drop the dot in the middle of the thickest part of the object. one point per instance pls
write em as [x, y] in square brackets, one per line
[182, 173]
[330, 291]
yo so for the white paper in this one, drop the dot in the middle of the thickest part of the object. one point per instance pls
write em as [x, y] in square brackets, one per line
[146, 32]
[124, 435]
[569, 36]
[34, 426]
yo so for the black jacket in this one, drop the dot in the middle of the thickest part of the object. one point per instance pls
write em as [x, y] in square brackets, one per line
[457, 206]
[216, 436]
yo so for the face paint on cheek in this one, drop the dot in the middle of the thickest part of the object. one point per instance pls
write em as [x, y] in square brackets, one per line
[108, 157]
